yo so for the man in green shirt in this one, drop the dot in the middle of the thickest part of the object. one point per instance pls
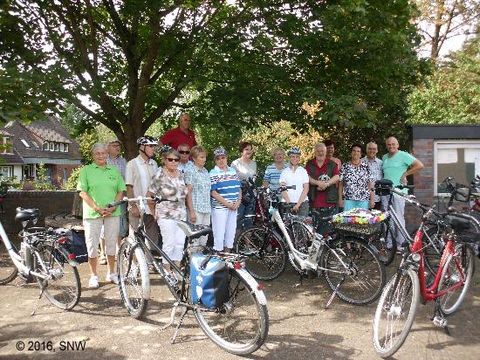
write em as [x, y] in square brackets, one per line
[396, 166]
[100, 184]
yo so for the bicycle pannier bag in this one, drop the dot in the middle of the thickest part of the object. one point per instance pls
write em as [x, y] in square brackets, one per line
[208, 281]
[79, 246]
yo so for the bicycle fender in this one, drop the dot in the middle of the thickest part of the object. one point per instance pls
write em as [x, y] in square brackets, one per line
[254, 285]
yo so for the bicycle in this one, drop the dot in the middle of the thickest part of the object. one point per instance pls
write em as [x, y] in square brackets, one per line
[238, 323]
[44, 256]
[351, 268]
[398, 303]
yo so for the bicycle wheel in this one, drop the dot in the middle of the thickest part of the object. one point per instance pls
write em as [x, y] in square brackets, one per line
[265, 251]
[133, 278]
[385, 251]
[8, 270]
[240, 326]
[302, 237]
[456, 277]
[395, 313]
[62, 283]
[353, 270]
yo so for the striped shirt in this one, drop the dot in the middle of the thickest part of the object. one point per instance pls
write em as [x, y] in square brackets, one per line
[376, 171]
[120, 163]
[226, 183]
[272, 176]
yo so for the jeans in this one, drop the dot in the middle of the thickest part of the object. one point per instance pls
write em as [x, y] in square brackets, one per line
[244, 210]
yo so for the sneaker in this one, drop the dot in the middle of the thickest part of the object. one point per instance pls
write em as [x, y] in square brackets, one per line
[102, 261]
[93, 282]
[112, 278]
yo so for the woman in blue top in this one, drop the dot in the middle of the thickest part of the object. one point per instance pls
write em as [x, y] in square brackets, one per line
[226, 198]
[197, 179]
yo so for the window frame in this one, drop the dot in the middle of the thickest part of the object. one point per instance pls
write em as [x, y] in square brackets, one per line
[448, 144]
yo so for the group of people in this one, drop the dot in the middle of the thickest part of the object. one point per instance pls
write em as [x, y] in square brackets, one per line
[215, 197]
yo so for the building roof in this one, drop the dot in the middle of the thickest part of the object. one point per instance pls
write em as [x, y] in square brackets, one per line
[28, 142]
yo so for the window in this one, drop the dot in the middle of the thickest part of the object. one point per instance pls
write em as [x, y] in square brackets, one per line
[6, 171]
[57, 146]
[6, 145]
[51, 146]
[456, 158]
[24, 142]
[66, 147]
[45, 146]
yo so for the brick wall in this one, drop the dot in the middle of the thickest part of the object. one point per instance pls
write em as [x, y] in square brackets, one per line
[48, 202]
[423, 181]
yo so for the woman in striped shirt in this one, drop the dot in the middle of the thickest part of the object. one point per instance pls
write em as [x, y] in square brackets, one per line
[226, 198]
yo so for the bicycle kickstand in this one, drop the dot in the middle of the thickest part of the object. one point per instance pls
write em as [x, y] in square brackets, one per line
[439, 318]
[330, 300]
[172, 317]
[180, 322]
[38, 300]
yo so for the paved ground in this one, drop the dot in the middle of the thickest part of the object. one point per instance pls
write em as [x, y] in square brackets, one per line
[300, 328]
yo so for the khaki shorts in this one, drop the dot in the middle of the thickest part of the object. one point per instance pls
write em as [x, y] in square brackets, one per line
[93, 230]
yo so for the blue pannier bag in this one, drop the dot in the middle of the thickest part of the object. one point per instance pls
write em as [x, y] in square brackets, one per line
[208, 280]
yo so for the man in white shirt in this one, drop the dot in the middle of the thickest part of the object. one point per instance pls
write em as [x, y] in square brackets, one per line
[138, 176]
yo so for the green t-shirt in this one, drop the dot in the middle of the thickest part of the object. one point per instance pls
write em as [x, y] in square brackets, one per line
[102, 184]
[394, 167]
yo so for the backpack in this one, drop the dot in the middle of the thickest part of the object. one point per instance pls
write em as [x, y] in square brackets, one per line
[208, 280]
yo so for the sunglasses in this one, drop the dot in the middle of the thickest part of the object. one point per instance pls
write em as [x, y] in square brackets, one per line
[172, 159]
[184, 152]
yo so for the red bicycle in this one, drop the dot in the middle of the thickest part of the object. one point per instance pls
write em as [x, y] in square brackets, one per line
[398, 303]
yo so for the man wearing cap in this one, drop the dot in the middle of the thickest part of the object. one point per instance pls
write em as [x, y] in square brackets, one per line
[139, 174]
[180, 135]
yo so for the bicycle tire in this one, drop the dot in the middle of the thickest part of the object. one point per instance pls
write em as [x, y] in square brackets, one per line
[386, 253]
[62, 288]
[394, 305]
[133, 278]
[8, 270]
[265, 251]
[240, 325]
[302, 237]
[464, 259]
[363, 281]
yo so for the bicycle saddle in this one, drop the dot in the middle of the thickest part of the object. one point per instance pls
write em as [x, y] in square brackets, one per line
[457, 223]
[26, 214]
[193, 231]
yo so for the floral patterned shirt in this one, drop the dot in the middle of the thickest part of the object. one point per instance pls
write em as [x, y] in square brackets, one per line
[170, 188]
[355, 181]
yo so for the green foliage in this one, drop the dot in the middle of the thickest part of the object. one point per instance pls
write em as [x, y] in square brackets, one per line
[452, 94]
[72, 180]
[86, 142]
[42, 182]
[233, 65]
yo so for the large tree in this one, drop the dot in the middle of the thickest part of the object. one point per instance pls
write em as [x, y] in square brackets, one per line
[233, 63]
[452, 94]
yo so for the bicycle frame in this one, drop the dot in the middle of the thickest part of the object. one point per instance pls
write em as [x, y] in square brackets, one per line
[430, 293]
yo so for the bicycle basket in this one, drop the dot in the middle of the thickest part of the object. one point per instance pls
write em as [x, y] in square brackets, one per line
[359, 221]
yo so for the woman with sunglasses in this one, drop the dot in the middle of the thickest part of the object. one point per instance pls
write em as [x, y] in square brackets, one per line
[168, 183]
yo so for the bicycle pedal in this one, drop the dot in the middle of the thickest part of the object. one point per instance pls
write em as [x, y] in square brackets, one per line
[440, 321]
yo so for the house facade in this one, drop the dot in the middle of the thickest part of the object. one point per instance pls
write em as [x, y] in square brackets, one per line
[445, 150]
[26, 146]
